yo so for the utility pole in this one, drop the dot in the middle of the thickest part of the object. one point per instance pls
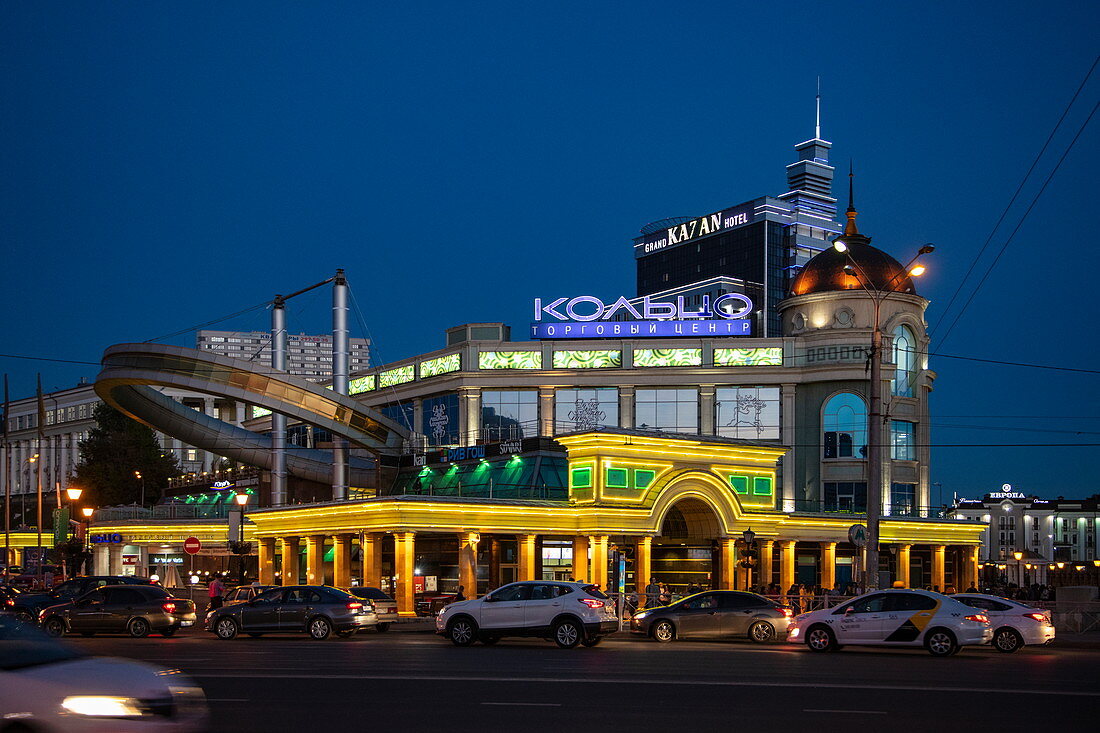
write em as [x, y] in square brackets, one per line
[340, 380]
[278, 421]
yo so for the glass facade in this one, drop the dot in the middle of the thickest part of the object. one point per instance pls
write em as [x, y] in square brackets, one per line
[585, 409]
[845, 426]
[401, 413]
[846, 496]
[905, 361]
[670, 409]
[901, 441]
[440, 416]
[750, 413]
[508, 414]
[903, 501]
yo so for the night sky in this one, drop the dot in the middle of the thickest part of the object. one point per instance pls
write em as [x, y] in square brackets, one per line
[164, 165]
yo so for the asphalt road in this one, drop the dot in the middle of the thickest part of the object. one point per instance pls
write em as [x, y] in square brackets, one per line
[417, 681]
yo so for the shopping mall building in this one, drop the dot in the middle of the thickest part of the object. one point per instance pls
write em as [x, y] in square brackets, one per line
[730, 393]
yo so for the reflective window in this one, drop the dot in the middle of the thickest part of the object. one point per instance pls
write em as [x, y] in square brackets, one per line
[441, 419]
[905, 361]
[901, 441]
[401, 413]
[903, 501]
[670, 409]
[512, 593]
[869, 604]
[845, 496]
[747, 412]
[509, 414]
[701, 602]
[845, 426]
[585, 409]
[910, 602]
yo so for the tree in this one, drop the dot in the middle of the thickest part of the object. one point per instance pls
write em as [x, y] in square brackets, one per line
[117, 449]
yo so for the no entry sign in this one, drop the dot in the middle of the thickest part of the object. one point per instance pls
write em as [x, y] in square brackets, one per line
[191, 545]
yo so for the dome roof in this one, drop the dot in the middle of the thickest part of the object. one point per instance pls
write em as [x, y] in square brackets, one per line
[825, 272]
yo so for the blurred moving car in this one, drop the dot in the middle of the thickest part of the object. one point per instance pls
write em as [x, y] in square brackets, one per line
[48, 687]
[385, 608]
[720, 614]
[8, 594]
[137, 610]
[568, 613]
[914, 618]
[1015, 624]
[28, 605]
[318, 610]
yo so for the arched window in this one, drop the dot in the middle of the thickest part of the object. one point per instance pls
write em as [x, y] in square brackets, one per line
[905, 361]
[845, 426]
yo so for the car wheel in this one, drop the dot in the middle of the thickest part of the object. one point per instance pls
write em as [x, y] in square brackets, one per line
[320, 628]
[762, 632]
[664, 631]
[54, 626]
[820, 639]
[592, 641]
[1008, 641]
[382, 627]
[169, 632]
[138, 628]
[462, 631]
[226, 628]
[940, 643]
[24, 617]
[567, 634]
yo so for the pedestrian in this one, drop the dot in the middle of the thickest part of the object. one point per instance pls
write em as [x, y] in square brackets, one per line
[652, 593]
[950, 590]
[216, 590]
[971, 589]
[664, 596]
[806, 598]
[793, 596]
[460, 596]
[47, 579]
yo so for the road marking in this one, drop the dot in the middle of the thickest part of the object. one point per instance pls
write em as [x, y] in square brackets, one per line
[527, 704]
[846, 712]
[635, 681]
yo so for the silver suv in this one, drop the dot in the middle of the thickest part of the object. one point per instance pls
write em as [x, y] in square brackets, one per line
[568, 613]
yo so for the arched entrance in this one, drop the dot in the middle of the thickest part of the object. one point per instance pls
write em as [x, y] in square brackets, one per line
[686, 554]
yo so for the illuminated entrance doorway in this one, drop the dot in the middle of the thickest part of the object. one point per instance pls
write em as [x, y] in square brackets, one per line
[686, 554]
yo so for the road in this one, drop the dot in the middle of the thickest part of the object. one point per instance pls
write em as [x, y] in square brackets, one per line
[417, 681]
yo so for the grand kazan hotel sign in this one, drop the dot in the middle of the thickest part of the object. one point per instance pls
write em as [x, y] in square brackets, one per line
[586, 316]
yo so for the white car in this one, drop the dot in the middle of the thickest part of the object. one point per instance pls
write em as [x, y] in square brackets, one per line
[1014, 624]
[568, 613]
[48, 687]
[907, 618]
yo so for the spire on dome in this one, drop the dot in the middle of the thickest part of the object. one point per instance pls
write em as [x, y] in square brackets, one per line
[850, 228]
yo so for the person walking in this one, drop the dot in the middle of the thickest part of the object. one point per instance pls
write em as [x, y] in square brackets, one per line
[216, 590]
[664, 596]
[459, 596]
[806, 598]
[652, 593]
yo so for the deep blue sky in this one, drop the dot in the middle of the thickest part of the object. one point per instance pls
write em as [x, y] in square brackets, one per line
[163, 165]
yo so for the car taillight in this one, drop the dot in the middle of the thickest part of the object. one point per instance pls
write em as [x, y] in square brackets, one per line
[979, 617]
[10, 602]
[787, 612]
[591, 602]
[168, 607]
[1040, 617]
[354, 606]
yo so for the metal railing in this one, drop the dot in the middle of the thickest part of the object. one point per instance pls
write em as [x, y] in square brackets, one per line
[162, 511]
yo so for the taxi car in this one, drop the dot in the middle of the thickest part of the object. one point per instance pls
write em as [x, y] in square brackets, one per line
[906, 618]
[1015, 624]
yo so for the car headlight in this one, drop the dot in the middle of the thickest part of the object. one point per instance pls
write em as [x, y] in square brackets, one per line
[102, 706]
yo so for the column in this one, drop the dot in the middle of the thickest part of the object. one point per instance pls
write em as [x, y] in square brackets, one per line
[599, 561]
[727, 565]
[643, 564]
[971, 561]
[404, 556]
[341, 560]
[937, 568]
[289, 573]
[467, 562]
[115, 559]
[626, 401]
[494, 562]
[786, 565]
[315, 559]
[706, 408]
[526, 543]
[580, 558]
[266, 559]
[370, 546]
[418, 415]
[828, 565]
[903, 565]
[790, 460]
[101, 561]
[469, 414]
[765, 575]
[546, 412]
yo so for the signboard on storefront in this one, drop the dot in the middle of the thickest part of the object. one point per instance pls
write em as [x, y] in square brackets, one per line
[113, 538]
[586, 316]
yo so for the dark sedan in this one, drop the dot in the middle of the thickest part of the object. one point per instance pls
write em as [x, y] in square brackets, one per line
[318, 610]
[137, 610]
[719, 614]
[27, 605]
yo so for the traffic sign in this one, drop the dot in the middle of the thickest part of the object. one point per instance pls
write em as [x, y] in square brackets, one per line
[191, 545]
[857, 535]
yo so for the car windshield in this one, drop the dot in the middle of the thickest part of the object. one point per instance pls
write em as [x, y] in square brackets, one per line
[337, 595]
[372, 593]
[23, 646]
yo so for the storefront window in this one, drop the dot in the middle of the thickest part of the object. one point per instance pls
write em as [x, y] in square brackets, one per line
[846, 496]
[751, 413]
[670, 409]
[509, 414]
[905, 361]
[440, 415]
[845, 423]
[585, 409]
[901, 441]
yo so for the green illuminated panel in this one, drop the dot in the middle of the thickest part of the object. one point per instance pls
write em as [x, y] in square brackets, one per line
[667, 357]
[400, 375]
[509, 360]
[591, 359]
[771, 356]
[581, 478]
[260, 412]
[762, 486]
[615, 478]
[361, 384]
[643, 477]
[442, 365]
[740, 484]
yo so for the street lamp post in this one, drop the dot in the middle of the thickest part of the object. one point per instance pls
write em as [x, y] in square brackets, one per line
[1019, 569]
[242, 502]
[749, 536]
[137, 475]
